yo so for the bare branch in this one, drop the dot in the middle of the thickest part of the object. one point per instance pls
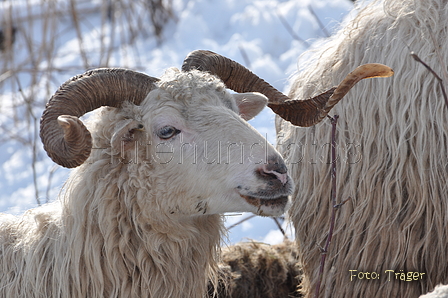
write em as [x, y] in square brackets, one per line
[280, 227]
[343, 203]
[321, 25]
[442, 87]
[33, 141]
[439, 56]
[335, 206]
[291, 31]
[245, 56]
[77, 25]
[241, 221]
[50, 178]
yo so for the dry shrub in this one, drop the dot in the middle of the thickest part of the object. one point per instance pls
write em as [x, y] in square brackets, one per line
[33, 55]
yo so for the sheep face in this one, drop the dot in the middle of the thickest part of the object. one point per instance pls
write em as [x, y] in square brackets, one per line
[188, 135]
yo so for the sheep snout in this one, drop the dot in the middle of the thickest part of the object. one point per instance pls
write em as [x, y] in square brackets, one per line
[270, 194]
[274, 179]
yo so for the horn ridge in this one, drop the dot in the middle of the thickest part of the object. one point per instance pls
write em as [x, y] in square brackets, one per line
[304, 113]
[234, 75]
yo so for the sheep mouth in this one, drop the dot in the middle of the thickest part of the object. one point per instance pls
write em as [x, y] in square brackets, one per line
[273, 203]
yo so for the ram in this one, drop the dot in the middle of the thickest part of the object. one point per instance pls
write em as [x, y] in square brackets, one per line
[162, 160]
[392, 139]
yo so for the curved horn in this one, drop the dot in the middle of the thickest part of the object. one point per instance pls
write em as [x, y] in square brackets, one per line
[311, 111]
[65, 138]
[234, 75]
[299, 112]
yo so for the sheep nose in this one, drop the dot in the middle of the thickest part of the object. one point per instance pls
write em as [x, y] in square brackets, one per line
[276, 168]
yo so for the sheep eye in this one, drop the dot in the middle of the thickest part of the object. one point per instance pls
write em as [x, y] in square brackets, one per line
[167, 132]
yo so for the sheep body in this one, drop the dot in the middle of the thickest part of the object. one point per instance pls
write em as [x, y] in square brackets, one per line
[141, 217]
[391, 142]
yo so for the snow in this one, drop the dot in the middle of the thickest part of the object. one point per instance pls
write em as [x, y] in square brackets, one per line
[266, 36]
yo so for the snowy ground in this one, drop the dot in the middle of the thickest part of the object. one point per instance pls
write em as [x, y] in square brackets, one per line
[266, 36]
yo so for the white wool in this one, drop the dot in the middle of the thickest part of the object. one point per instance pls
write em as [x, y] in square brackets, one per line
[392, 139]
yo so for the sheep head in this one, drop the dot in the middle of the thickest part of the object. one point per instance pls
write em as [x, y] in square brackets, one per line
[222, 164]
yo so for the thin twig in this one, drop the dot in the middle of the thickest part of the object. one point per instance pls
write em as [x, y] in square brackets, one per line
[245, 56]
[280, 227]
[417, 58]
[324, 251]
[79, 34]
[241, 221]
[343, 203]
[439, 56]
[50, 178]
[321, 25]
[291, 31]
[33, 141]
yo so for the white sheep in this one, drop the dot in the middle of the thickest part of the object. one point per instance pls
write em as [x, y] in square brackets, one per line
[141, 215]
[390, 238]
[160, 163]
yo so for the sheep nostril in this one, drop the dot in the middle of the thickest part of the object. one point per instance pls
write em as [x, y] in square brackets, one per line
[266, 171]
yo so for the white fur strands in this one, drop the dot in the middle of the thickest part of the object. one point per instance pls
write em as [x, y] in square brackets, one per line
[111, 252]
[392, 143]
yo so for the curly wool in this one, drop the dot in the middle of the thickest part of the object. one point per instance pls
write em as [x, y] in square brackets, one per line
[108, 249]
[392, 139]
[259, 270]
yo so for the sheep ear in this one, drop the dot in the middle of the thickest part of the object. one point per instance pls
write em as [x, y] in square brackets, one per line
[124, 137]
[250, 104]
